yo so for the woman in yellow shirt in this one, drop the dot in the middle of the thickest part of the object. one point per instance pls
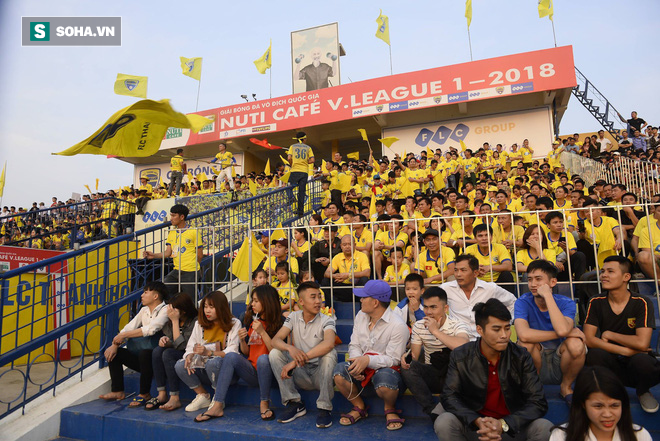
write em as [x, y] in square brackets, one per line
[534, 247]
[315, 230]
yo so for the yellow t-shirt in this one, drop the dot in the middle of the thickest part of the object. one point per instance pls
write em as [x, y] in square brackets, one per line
[646, 240]
[224, 159]
[390, 277]
[342, 264]
[526, 155]
[300, 154]
[364, 239]
[272, 263]
[498, 255]
[415, 174]
[386, 238]
[176, 163]
[184, 244]
[554, 245]
[429, 267]
[286, 292]
[525, 257]
[499, 235]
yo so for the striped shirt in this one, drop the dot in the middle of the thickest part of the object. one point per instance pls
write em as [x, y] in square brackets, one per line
[421, 335]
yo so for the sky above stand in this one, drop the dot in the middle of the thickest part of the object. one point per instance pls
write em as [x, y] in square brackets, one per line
[54, 97]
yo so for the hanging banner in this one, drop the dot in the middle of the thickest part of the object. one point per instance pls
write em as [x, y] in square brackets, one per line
[543, 70]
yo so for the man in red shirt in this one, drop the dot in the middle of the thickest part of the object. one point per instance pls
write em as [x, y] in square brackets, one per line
[492, 389]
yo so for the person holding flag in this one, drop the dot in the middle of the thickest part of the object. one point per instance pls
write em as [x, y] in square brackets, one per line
[225, 159]
[300, 155]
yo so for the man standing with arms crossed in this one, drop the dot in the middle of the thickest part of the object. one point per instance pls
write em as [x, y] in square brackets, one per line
[300, 155]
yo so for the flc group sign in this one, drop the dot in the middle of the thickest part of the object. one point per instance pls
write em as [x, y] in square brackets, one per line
[528, 72]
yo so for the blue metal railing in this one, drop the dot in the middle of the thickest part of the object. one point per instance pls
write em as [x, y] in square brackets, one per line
[66, 309]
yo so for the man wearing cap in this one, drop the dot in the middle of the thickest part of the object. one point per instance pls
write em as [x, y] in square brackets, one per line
[225, 159]
[378, 341]
[300, 155]
[176, 177]
[436, 262]
[280, 253]
[146, 190]
[348, 268]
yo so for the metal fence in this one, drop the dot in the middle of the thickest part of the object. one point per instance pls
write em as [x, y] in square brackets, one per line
[58, 315]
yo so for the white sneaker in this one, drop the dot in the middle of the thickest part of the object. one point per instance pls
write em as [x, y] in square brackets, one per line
[200, 402]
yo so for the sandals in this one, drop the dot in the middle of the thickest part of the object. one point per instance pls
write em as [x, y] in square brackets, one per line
[267, 418]
[208, 417]
[362, 413]
[394, 420]
[155, 403]
[137, 402]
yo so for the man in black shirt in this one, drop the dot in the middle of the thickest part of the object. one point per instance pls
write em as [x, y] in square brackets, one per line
[624, 324]
[322, 252]
[634, 123]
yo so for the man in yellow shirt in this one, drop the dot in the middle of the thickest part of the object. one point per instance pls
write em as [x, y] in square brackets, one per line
[435, 262]
[186, 248]
[649, 243]
[225, 159]
[176, 175]
[300, 155]
[495, 264]
[350, 268]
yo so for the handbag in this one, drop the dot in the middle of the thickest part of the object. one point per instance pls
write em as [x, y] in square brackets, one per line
[138, 344]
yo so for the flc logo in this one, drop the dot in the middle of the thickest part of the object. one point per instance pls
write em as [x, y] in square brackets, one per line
[441, 135]
[154, 216]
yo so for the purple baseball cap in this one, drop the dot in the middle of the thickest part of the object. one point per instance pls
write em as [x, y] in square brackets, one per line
[377, 289]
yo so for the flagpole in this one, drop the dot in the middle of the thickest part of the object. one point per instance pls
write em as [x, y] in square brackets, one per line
[391, 71]
[553, 32]
[199, 86]
[270, 80]
[470, 42]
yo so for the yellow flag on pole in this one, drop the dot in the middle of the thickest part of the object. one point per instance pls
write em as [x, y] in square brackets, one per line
[278, 233]
[406, 188]
[190, 177]
[389, 141]
[372, 205]
[97, 184]
[252, 186]
[192, 67]
[2, 179]
[136, 130]
[264, 62]
[285, 177]
[468, 12]
[284, 160]
[429, 153]
[267, 169]
[463, 146]
[241, 265]
[383, 31]
[131, 85]
[201, 177]
[88, 189]
[546, 8]
[364, 134]
[354, 155]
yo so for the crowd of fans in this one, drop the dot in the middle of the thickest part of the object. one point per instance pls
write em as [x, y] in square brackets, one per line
[444, 254]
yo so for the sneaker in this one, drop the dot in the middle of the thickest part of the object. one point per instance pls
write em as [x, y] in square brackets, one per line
[648, 402]
[293, 410]
[323, 419]
[201, 401]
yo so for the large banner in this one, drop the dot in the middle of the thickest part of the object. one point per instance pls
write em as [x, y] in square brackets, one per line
[502, 128]
[315, 58]
[528, 72]
[155, 172]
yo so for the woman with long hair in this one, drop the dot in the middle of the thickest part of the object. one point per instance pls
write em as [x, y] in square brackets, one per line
[315, 224]
[263, 319]
[534, 247]
[182, 316]
[600, 410]
[213, 337]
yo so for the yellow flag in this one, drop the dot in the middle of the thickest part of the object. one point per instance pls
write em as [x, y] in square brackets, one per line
[131, 85]
[88, 189]
[190, 177]
[285, 177]
[323, 166]
[364, 134]
[264, 62]
[278, 233]
[375, 165]
[354, 155]
[383, 31]
[389, 141]
[468, 12]
[201, 177]
[546, 8]
[284, 160]
[463, 146]
[252, 186]
[267, 169]
[2, 179]
[241, 265]
[3, 231]
[372, 205]
[136, 130]
[406, 188]
[192, 67]
[97, 184]
[429, 153]
[161, 183]
[344, 182]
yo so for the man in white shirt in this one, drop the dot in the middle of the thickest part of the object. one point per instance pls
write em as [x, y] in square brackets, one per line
[605, 144]
[468, 290]
[145, 326]
[309, 362]
[378, 341]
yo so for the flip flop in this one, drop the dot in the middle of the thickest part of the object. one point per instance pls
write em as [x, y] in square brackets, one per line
[137, 402]
[155, 403]
[208, 417]
[269, 418]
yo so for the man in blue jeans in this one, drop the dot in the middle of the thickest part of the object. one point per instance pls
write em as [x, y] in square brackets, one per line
[378, 341]
[300, 155]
